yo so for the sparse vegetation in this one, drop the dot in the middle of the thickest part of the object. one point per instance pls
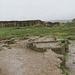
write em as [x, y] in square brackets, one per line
[68, 42]
[73, 52]
[73, 62]
[64, 72]
[61, 42]
[65, 53]
[59, 58]
[67, 68]
[36, 30]
[41, 31]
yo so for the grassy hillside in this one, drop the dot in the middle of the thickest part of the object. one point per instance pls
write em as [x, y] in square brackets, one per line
[37, 30]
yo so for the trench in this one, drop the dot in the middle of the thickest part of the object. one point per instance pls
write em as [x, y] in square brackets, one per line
[70, 58]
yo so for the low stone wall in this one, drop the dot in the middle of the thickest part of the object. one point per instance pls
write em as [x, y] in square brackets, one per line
[60, 50]
[50, 24]
[26, 23]
[32, 46]
[71, 38]
[57, 49]
[73, 20]
[19, 23]
[47, 42]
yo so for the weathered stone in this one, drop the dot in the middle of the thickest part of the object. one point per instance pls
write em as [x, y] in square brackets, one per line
[5, 45]
[11, 41]
[24, 38]
[4, 39]
[50, 24]
[71, 37]
[32, 46]
[46, 42]
[73, 20]
[19, 23]
[66, 47]
[1, 48]
[59, 50]
[63, 63]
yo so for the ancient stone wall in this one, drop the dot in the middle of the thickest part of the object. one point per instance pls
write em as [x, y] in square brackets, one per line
[50, 24]
[19, 23]
[26, 23]
[73, 20]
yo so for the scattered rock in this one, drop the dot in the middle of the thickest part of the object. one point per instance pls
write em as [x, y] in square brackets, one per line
[11, 41]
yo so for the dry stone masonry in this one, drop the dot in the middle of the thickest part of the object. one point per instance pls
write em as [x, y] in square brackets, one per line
[26, 23]
[19, 23]
[55, 46]
[73, 20]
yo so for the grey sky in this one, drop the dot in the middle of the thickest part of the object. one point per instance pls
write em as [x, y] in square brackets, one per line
[37, 9]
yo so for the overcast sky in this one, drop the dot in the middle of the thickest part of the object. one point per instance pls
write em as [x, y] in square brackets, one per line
[37, 9]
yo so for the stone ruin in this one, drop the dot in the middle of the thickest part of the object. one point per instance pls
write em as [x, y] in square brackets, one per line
[26, 23]
[19, 23]
[54, 45]
[42, 46]
[73, 20]
[50, 24]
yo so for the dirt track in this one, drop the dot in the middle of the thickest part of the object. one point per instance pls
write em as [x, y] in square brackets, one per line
[22, 61]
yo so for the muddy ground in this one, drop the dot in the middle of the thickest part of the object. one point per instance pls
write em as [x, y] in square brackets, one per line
[19, 60]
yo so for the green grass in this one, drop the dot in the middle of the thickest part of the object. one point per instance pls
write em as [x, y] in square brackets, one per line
[61, 42]
[65, 54]
[59, 58]
[67, 68]
[13, 32]
[64, 72]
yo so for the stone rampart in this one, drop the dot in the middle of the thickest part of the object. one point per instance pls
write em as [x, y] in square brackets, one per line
[19, 23]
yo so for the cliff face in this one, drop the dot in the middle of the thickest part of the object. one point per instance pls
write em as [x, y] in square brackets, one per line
[19, 23]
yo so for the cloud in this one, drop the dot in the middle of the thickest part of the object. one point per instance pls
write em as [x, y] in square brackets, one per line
[37, 9]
